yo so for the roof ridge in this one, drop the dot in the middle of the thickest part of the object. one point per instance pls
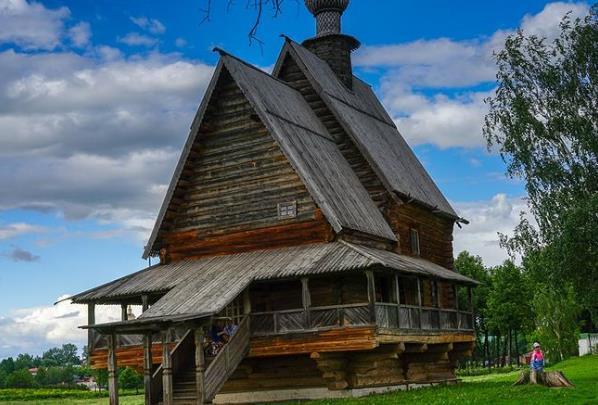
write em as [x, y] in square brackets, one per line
[224, 53]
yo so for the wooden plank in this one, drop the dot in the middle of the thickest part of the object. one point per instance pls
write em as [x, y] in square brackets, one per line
[112, 370]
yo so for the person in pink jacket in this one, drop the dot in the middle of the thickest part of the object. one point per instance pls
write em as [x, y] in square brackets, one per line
[537, 360]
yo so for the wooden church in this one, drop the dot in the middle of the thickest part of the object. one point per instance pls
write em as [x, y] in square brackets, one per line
[299, 215]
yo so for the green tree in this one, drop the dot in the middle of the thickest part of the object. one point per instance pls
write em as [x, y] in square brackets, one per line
[509, 304]
[8, 365]
[24, 361]
[556, 321]
[3, 377]
[101, 377]
[543, 119]
[20, 379]
[472, 266]
[41, 378]
[129, 378]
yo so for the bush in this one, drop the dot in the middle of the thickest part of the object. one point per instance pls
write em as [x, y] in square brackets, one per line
[20, 379]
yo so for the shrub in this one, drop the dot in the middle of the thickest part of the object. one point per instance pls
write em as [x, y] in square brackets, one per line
[20, 379]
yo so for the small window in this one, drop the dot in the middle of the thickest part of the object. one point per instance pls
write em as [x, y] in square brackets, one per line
[414, 235]
[287, 210]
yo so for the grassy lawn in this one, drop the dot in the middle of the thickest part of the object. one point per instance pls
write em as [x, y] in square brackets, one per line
[494, 388]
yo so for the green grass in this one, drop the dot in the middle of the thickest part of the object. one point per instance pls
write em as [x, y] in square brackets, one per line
[492, 388]
[498, 389]
[47, 396]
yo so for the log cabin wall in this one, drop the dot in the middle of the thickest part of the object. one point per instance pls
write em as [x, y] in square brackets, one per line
[227, 198]
[435, 232]
[292, 74]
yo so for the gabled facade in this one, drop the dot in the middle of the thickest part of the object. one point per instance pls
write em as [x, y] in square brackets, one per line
[298, 214]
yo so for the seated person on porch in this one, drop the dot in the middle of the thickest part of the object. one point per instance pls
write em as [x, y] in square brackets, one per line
[216, 337]
[229, 330]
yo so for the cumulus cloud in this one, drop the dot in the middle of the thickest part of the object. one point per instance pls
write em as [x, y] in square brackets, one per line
[121, 119]
[31, 25]
[149, 24]
[21, 255]
[449, 118]
[136, 39]
[487, 219]
[80, 34]
[36, 329]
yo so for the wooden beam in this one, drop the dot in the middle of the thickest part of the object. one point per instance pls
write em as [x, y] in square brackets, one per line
[112, 367]
[167, 387]
[147, 368]
[456, 294]
[371, 295]
[123, 312]
[419, 300]
[306, 300]
[200, 366]
[91, 320]
[144, 303]
[397, 288]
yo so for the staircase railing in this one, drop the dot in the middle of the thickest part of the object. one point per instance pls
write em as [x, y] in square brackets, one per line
[180, 357]
[227, 360]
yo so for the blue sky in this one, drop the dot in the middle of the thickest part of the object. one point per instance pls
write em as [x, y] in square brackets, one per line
[96, 98]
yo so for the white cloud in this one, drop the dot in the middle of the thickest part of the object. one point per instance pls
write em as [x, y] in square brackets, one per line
[80, 34]
[34, 330]
[180, 42]
[149, 24]
[31, 25]
[136, 39]
[437, 65]
[94, 135]
[488, 218]
[10, 231]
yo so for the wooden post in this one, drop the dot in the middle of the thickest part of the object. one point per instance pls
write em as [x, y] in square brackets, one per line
[112, 373]
[371, 295]
[470, 299]
[246, 302]
[436, 304]
[167, 398]
[147, 367]
[397, 288]
[456, 294]
[123, 312]
[200, 366]
[144, 303]
[306, 301]
[91, 320]
[419, 301]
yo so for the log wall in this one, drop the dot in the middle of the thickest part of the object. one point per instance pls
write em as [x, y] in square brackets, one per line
[435, 232]
[232, 183]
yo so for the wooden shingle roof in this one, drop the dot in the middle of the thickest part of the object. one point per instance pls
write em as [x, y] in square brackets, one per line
[363, 117]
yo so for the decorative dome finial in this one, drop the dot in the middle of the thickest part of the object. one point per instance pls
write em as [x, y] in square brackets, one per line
[328, 15]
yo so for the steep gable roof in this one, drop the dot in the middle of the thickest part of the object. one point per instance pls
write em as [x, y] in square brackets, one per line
[304, 140]
[371, 128]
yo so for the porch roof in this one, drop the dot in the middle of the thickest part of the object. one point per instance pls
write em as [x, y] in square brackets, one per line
[203, 287]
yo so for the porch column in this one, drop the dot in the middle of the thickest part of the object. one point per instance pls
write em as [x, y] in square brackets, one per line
[456, 294]
[112, 374]
[144, 303]
[306, 301]
[123, 312]
[166, 368]
[419, 300]
[200, 366]
[371, 295]
[436, 304]
[91, 320]
[147, 368]
[397, 292]
[470, 302]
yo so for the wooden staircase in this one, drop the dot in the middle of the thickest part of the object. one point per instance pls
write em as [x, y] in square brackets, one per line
[218, 369]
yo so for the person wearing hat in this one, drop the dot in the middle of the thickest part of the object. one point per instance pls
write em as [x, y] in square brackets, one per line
[537, 360]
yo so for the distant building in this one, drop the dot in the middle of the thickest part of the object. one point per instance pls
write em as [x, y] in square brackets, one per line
[588, 343]
[33, 371]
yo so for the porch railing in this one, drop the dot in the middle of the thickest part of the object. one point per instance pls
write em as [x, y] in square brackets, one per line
[389, 316]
